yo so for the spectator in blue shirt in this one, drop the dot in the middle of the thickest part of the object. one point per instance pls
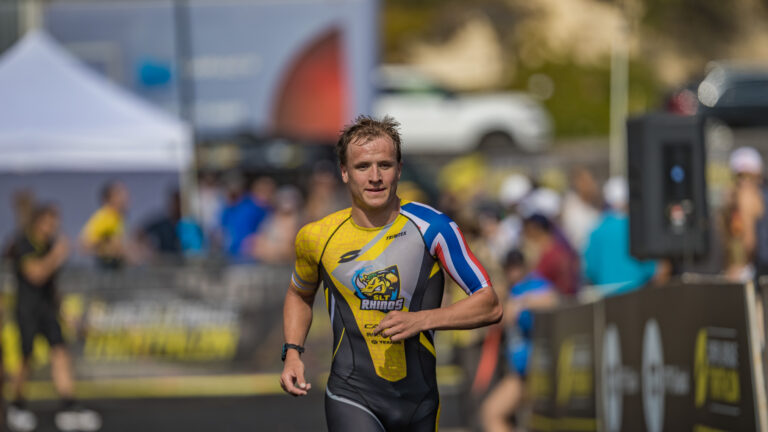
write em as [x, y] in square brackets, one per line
[243, 215]
[607, 262]
[528, 291]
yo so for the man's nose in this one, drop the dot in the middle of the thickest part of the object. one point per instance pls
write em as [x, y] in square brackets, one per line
[375, 174]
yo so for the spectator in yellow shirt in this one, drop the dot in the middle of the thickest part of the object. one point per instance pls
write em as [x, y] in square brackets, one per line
[103, 236]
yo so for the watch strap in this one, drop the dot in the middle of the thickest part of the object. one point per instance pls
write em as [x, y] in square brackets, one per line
[287, 346]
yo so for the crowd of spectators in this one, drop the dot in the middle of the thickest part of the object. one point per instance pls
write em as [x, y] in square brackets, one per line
[574, 235]
[541, 244]
[229, 217]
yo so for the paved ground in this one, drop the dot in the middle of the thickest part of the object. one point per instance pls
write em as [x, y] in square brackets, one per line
[221, 414]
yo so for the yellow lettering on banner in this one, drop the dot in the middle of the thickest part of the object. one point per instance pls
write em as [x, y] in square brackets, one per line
[540, 385]
[564, 382]
[11, 348]
[223, 340]
[11, 343]
[703, 428]
[202, 344]
[582, 383]
[571, 381]
[543, 423]
[700, 369]
[724, 385]
[576, 424]
[720, 384]
[178, 342]
[72, 309]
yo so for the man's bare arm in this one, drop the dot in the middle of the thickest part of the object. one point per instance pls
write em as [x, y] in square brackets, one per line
[480, 309]
[542, 300]
[297, 318]
[751, 208]
[38, 270]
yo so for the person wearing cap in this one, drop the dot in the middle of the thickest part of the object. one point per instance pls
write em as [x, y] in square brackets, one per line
[554, 259]
[527, 291]
[606, 259]
[746, 228]
[581, 207]
[513, 191]
[544, 201]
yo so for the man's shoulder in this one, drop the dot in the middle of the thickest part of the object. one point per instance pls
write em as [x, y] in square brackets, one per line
[324, 227]
[612, 223]
[423, 214]
[333, 219]
[106, 215]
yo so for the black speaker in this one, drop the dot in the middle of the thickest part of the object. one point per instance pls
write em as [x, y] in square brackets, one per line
[668, 216]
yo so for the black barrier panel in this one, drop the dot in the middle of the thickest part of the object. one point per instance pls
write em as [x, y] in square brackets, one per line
[541, 373]
[173, 321]
[619, 350]
[762, 322]
[677, 358]
[571, 344]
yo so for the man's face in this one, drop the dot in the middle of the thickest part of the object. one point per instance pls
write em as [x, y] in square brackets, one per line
[532, 233]
[119, 198]
[48, 225]
[371, 172]
[514, 273]
[585, 185]
[749, 178]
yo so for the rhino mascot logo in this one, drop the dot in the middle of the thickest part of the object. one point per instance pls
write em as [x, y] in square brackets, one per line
[378, 290]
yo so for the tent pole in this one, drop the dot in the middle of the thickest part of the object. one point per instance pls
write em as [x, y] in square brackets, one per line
[186, 98]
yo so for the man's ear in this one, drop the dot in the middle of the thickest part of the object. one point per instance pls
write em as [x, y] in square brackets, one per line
[344, 173]
[399, 169]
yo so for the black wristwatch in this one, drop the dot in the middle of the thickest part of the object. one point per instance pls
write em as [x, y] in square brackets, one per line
[287, 346]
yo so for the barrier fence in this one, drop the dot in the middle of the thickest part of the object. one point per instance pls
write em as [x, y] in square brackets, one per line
[680, 357]
[202, 321]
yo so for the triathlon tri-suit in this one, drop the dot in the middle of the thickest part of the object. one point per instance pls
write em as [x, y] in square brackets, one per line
[36, 304]
[376, 384]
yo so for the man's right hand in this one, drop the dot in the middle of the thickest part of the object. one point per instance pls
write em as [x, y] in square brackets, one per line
[60, 248]
[292, 380]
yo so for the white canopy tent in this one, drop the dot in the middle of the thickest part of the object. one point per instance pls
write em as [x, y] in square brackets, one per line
[65, 131]
[55, 113]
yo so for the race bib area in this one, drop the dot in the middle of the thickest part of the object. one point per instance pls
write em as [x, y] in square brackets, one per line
[674, 358]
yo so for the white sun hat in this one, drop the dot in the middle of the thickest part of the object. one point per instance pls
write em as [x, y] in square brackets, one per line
[513, 189]
[616, 192]
[746, 160]
[543, 201]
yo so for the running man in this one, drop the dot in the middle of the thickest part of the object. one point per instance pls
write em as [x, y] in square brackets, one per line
[38, 254]
[380, 264]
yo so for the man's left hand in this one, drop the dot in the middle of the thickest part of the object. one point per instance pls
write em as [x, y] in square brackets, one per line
[398, 325]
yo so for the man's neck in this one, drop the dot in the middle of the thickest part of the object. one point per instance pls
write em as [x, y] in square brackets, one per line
[368, 218]
[36, 237]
